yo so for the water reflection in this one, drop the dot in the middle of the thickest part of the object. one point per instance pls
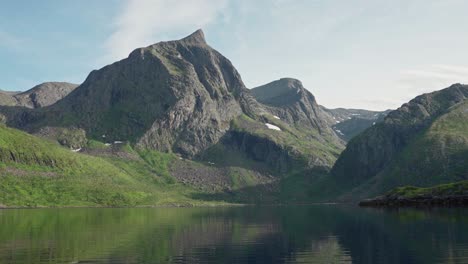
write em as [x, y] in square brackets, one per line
[314, 234]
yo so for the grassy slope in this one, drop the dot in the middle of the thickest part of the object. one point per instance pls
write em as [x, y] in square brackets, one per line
[449, 189]
[36, 172]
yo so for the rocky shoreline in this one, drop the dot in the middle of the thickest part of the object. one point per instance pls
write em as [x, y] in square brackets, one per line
[425, 200]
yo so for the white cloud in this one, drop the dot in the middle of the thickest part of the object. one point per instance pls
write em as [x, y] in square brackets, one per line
[144, 22]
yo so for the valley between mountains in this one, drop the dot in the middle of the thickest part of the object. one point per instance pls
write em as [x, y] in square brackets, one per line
[174, 125]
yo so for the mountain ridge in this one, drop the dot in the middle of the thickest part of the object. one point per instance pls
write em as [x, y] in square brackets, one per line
[384, 149]
[182, 97]
[41, 95]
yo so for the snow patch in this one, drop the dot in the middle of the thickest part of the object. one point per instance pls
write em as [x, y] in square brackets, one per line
[270, 126]
[118, 142]
[76, 150]
[339, 132]
[373, 123]
[276, 117]
[107, 144]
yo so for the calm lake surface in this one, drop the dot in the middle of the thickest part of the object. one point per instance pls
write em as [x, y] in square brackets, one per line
[290, 234]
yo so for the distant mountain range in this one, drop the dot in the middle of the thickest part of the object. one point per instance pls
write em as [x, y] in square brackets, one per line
[348, 123]
[177, 116]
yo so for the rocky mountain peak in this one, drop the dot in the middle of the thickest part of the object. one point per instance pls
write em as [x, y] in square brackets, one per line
[196, 38]
[284, 91]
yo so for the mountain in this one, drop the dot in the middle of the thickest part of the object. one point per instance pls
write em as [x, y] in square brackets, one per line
[184, 97]
[347, 123]
[175, 96]
[41, 95]
[6, 98]
[290, 101]
[422, 143]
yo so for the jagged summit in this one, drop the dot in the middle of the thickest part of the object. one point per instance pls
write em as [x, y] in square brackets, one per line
[196, 38]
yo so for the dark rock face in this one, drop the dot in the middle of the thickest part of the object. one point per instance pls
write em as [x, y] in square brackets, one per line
[41, 95]
[290, 101]
[261, 149]
[373, 150]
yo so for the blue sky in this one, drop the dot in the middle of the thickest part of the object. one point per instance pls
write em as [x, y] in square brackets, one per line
[372, 54]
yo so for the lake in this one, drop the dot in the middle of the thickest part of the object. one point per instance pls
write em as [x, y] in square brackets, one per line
[283, 234]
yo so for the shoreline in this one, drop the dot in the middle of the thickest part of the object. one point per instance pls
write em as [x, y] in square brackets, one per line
[418, 201]
[4, 207]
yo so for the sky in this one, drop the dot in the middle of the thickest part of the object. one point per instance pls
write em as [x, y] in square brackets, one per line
[367, 54]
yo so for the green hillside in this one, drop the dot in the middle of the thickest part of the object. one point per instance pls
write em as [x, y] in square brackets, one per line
[36, 172]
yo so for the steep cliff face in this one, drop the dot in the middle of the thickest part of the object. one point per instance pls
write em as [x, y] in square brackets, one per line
[423, 142]
[41, 95]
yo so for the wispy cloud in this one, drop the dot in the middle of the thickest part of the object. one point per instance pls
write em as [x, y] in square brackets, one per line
[451, 73]
[143, 22]
[430, 78]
